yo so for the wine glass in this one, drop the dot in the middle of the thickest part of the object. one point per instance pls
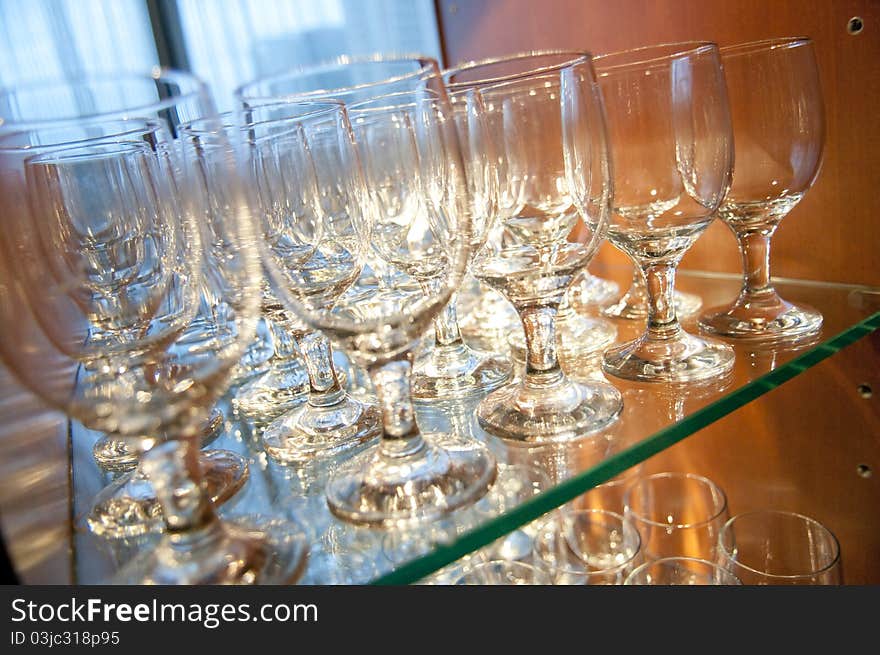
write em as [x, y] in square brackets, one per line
[670, 135]
[309, 182]
[779, 125]
[775, 547]
[554, 232]
[452, 369]
[408, 142]
[144, 268]
[578, 335]
[128, 506]
[349, 79]
[44, 114]
[677, 514]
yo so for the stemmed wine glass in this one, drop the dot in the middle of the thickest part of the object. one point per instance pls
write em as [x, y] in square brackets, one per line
[450, 369]
[578, 335]
[554, 138]
[309, 180]
[168, 286]
[409, 143]
[779, 128]
[348, 79]
[128, 506]
[49, 113]
[670, 134]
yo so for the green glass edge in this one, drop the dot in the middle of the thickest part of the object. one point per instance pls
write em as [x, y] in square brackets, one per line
[571, 488]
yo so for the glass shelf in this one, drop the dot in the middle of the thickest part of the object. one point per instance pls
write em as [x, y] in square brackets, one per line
[532, 480]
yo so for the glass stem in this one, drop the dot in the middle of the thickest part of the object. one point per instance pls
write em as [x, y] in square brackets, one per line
[174, 470]
[542, 362]
[566, 311]
[324, 387]
[282, 339]
[755, 249]
[662, 321]
[446, 331]
[400, 433]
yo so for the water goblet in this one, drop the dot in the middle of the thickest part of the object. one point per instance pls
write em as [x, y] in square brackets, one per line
[350, 79]
[45, 114]
[556, 154]
[128, 506]
[308, 173]
[137, 266]
[778, 124]
[669, 126]
[578, 335]
[414, 166]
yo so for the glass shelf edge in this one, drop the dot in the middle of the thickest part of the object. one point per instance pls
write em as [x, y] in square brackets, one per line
[576, 485]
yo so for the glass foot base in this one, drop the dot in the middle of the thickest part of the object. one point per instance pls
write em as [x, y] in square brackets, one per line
[577, 337]
[233, 552]
[309, 431]
[423, 485]
[272, 394]
[686, 358]
[775, 321]
[117, 455]
[589, 291]
[562, 413]
[634, 305]
[459, 371]
[129, 507]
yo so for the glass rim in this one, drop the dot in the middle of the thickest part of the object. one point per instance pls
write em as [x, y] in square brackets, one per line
[326, 106]
[151, 125]
[362, 105]
[426, 66]
[713, 566]
[72, 154]
[156, 74]
[624, 523]
[727, 528]
[670, 475]
[765, 45]
[575, 57]
[676, 50]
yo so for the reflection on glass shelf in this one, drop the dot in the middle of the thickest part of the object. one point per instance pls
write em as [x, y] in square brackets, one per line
[533, 481]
